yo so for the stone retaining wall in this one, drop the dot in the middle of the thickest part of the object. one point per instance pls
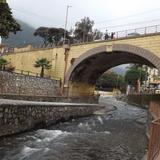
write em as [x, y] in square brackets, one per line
[16, 118]
[90, 99]
[18, 84]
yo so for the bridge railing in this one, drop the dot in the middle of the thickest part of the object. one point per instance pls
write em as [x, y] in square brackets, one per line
[138, 31]
[119, 34]
[35, 74]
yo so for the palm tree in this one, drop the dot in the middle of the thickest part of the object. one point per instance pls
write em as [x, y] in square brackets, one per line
[44, 64]
[3, 63]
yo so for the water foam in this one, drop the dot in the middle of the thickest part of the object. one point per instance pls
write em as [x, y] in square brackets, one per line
[100, 119]
[27, 151]
[44, 135]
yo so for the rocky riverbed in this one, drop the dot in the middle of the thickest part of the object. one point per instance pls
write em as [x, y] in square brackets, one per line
[116, 133]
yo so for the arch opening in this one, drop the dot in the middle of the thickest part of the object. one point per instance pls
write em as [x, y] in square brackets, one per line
[83, 74]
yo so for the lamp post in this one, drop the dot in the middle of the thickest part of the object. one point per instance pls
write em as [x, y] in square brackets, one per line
[66, 52]
[66, 21]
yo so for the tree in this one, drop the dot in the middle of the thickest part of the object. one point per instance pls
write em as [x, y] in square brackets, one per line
[135, 73]
[3, 64]
[83, 30]
[97, 34]
[110, 80]
[43, 33]
[44, 64]
[51, 36]
[7, 22]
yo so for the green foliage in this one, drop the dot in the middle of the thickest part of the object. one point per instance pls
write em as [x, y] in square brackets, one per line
[51, 36]
[82, 33]
[2, 1]
[110, 80]
[44, 64]
[134, 73]
[3, 63]
[7, 22]
[83, 30]
[97, 34]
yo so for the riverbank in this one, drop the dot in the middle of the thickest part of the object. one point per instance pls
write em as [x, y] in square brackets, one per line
[113, 134]
[18, 116]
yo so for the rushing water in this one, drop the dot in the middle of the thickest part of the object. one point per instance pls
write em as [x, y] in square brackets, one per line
[115, 135]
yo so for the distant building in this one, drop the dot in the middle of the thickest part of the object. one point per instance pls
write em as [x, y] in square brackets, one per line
[152, 82]
[153, 75]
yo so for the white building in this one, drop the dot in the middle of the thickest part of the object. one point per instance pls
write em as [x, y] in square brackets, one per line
[153, 75]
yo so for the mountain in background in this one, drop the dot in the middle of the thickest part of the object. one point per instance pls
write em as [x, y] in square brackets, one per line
[23, 38]
[121, 69]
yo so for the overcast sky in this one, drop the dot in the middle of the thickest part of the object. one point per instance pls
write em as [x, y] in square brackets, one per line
[105, 13]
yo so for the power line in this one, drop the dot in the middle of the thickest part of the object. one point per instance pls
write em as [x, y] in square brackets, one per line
[34, 14]
[119, 18]
[141, 13]
[98, 22]
[128, 24]
[112, 26]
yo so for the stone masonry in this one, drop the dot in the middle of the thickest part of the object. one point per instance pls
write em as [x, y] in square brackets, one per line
[19, 116]
[18, 84]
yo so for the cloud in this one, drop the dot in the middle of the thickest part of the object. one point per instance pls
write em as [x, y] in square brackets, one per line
[52, 12]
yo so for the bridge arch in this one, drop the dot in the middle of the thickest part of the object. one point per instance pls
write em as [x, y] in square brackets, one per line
[86, 69]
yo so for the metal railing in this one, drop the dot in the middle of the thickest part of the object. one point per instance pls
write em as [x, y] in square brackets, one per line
[29, 73]
[138, 31]
[154, 143]
[118, 35]
[35, 74]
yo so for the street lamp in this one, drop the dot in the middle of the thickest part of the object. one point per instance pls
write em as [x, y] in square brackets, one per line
[66, 52]
[66, 21]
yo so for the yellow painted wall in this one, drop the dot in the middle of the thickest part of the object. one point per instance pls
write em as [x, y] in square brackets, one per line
[24, 59]
[81, 89]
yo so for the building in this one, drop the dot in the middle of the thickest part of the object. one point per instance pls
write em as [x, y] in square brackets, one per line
[153, 75]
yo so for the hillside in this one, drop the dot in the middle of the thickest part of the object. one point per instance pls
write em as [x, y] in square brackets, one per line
[23, 38]
[121, 69]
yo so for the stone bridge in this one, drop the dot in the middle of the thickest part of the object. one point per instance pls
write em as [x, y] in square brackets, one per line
[79, 66]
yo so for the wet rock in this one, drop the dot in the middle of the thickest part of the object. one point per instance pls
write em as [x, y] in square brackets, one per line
[142, 120]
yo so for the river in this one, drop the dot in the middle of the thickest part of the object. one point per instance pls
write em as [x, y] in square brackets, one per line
[116, 134]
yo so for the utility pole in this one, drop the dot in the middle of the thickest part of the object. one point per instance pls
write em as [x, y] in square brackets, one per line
[66, 21]
[66, 52]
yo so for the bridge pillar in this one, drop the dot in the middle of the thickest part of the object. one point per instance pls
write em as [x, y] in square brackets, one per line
[80, 89]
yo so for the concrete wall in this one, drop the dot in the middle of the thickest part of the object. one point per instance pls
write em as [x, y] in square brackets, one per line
[16, 117]
[142, 100]
[84, 99]
[11, 83]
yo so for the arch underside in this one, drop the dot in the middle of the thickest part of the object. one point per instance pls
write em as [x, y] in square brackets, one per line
[90, 69]
[87, 68]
